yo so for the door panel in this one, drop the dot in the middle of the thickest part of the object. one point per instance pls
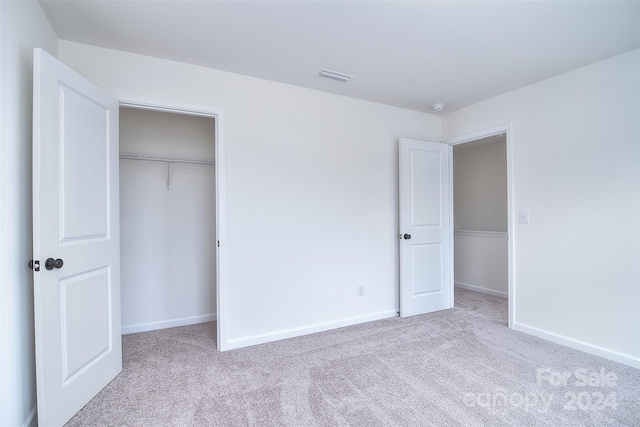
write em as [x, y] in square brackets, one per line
[75, 220]
[426, 271]
[85, 305]
[425, 189]
[425, 227]
[83, 171]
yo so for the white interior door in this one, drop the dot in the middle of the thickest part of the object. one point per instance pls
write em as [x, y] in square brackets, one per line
[75, 221]
[425, 227]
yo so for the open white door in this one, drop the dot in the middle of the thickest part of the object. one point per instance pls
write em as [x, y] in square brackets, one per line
[75, 239]
[425, 227]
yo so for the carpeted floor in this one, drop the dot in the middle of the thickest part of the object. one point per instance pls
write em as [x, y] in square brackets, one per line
[457, 367]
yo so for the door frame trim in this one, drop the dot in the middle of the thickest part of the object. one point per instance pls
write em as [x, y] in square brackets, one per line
[507, 129]
[218, 114]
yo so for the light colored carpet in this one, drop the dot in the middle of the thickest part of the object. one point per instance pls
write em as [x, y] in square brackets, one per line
[456, 367]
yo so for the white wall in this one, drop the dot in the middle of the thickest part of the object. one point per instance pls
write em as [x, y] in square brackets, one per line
[24, 26]
[167, 236]
[575, 163]
[311, 190]
[481, 262]
[480, 185]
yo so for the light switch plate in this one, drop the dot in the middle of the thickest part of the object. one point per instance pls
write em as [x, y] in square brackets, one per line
[524, 217]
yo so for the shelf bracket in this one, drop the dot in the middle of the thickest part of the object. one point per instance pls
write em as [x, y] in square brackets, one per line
[169, 176]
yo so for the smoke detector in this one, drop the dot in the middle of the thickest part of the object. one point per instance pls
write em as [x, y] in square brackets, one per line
[438, 107]
[335, 75]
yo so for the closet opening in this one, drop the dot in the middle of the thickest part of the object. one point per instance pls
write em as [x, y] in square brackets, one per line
[481, 219]
[167, 219]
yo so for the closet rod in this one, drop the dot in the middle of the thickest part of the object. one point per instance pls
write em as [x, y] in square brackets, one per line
[165, 159]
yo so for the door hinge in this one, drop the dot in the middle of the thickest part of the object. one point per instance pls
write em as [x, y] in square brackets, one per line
[218, 243]
[34, 265]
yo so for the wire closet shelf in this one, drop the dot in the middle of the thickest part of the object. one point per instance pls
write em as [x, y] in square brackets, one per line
[168, 160]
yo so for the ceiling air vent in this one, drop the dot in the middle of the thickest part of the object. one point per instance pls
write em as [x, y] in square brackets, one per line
[335, 75]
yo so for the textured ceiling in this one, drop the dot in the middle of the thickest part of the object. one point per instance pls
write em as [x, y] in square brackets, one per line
[409, 54]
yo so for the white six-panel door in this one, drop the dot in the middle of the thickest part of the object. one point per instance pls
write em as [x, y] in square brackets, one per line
[426, 283]
[75, 221]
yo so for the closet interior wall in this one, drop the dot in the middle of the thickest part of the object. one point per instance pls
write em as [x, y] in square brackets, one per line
[167, 227]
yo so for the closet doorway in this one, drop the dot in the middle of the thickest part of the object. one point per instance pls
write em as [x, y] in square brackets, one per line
[482, 220]
[168, 218]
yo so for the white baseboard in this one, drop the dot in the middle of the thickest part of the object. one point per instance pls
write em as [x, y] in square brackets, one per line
[32, 415]
[482, 290]
[306, 330]
[596, 350]
[169, 323]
